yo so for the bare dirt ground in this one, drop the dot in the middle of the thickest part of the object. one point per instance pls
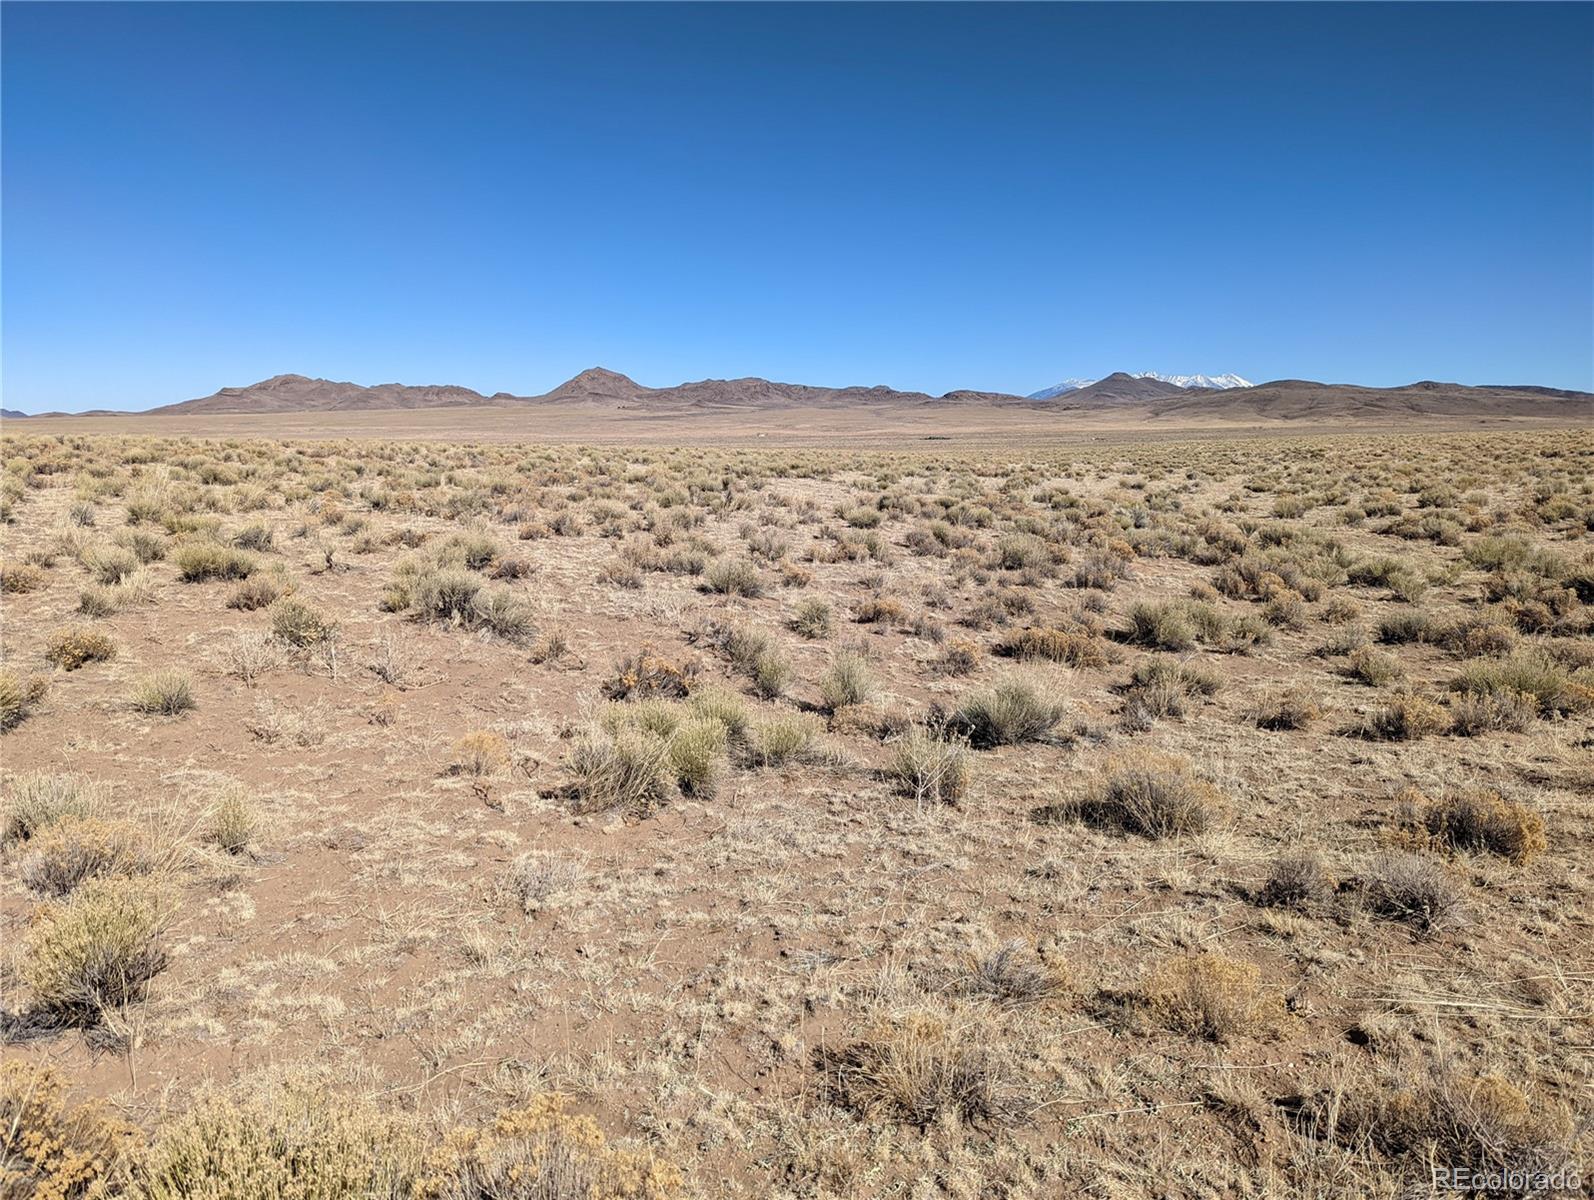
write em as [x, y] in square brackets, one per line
[1200, 815]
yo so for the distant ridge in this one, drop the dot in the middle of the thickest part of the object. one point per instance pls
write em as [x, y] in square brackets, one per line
[1145, 396]
[299, 393]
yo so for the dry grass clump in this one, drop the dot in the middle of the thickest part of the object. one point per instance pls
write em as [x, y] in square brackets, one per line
[231, 822]
[1011, 976]
[52, 1150]
[1405, 718]
[1212, 997]
[163, 694]
[1011, 712]
[1473, 1126]
[960, 657]
[76, 645]
[1477, 821]
[1154, 797]
[929, 769]
[19, 694]
[96, 949]
[848, 681]
[38, 800]
[295, 1141]
[627, 769]
[1294, 881]
[545, 1152]
[540, 879]
[1414, 890]
[1285, 709]
[69, 851]
[480, 752]
[776, 741]
[1074, 648]
[918, 1069]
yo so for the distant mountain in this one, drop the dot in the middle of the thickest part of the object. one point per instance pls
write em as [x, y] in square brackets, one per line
[1344, 403]
[299, 393]
[1144, 396]
[1184, 381]
[1119, 389]
[10, 414]
[606, 387]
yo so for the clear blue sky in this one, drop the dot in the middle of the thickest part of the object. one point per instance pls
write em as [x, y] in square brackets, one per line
[927, 197]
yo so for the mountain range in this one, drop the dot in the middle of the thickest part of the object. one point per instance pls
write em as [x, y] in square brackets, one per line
[1212, 382]
[1147, 396]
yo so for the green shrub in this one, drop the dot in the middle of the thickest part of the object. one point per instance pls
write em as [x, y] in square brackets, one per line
[734, 577]
[813, 619]
[1011, 712]
[200, 561]
[775, 741]
[297, 624]
[291, 1143]
[850, 680]
[163, 694]
[1556, 691]
[627, 769]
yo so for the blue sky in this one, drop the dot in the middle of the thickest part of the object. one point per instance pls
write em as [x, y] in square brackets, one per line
[927, 197]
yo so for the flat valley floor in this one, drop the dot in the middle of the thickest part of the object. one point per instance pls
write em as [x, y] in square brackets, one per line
[815, 810]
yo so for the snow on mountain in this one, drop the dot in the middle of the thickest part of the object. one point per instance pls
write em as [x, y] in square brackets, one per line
[1184, 381]
[1067, 385]
[1197, 381]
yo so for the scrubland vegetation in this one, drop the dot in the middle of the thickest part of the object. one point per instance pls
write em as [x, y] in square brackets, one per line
[1199, 819]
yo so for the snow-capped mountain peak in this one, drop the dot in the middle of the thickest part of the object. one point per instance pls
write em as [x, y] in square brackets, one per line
[1184, 381]
[1197, 381]
[1067, 385]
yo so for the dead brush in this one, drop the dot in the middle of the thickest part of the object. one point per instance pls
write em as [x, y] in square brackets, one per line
[931, 770]
[918, 1069]
[1212, 997]
[1154, 797]
[649, 675]
[1446, 1115]
[1475, 821]
[479, 753]
[1074, 648]
[1012, 976]
[1294, 881]
[1404, 718]
[1286, 709]
[542, 879]
[1413, 890]
[68, 852]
